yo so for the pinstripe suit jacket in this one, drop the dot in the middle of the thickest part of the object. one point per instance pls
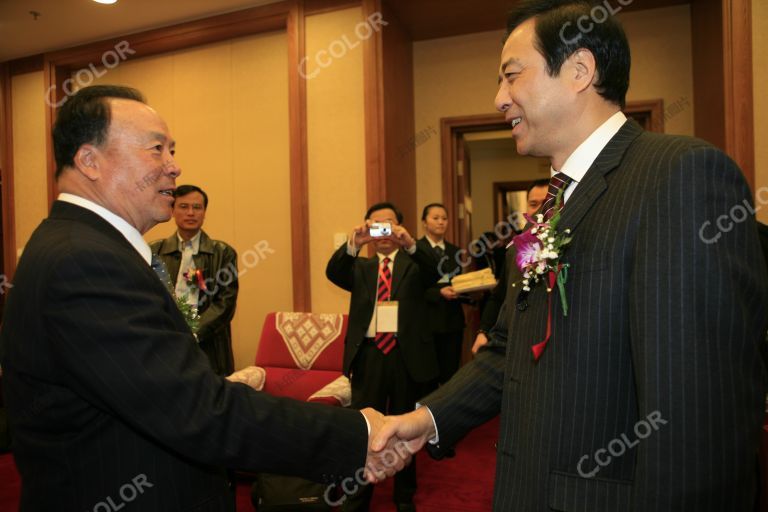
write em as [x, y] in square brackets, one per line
[649, 395]
[109, 397]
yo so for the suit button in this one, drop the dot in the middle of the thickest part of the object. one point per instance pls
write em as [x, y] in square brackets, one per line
[522, 305]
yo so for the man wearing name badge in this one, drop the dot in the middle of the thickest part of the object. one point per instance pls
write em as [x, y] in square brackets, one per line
[205, 273]
[648, 394]
[389, 352]
[104, 384]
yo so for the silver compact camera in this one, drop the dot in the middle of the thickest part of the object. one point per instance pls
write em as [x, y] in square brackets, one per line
[380, 229]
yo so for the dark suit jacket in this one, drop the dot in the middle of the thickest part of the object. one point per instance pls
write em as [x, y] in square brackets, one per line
[360, 277]
[650, 393]
[218, 262]
[444, 315]
[105, 387]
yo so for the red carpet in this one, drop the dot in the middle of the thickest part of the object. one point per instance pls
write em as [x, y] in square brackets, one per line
[461, 484]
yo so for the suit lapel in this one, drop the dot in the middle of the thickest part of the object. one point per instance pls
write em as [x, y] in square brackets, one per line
[594, 184]
[371, 276]
[398, 272]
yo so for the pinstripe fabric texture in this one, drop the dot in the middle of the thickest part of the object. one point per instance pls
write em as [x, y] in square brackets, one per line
[106, 388]
[649, 395]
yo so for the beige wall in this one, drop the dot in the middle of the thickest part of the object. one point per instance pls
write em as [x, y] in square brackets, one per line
[30, 185]
[454, 76]
[335, 148]
[457, 76]
[660, 40]
[760, 78]
[226, 105]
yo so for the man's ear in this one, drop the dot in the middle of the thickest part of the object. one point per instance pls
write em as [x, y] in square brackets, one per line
[584, 68]
[87, 161]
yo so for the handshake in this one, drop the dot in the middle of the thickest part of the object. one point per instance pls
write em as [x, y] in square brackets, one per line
[393, 441]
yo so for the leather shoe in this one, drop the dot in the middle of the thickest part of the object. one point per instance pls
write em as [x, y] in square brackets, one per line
[406, 507]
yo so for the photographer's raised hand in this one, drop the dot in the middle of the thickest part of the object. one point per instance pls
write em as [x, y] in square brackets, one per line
[401, 237]
[361, 234]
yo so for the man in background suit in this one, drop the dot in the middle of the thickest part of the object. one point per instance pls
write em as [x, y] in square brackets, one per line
[386, 366]
[204, 271]
[110, 401]
[649, 394]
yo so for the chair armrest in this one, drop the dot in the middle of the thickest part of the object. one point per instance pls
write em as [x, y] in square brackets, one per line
[337, 392]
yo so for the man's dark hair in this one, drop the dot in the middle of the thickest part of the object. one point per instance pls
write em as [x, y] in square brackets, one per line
[538, 183]
[426, 209]
[84, 119]
[183, 190]
[383, 206]
[558, 36]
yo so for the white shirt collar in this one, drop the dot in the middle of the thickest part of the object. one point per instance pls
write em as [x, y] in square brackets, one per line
[391, 256]
[577, 165]
[440, 244]
[195, 242]
[129, 232]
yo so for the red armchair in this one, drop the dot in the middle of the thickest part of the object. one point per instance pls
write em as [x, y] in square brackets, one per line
[301, 353]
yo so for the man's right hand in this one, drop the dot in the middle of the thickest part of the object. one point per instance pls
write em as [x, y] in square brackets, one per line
[480, 340]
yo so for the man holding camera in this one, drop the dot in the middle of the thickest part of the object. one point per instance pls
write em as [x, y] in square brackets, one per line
[388, 352]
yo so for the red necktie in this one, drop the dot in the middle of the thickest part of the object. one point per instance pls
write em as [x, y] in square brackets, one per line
[557, 183]
[385, 341]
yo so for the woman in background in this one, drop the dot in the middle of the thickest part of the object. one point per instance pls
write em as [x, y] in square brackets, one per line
[437, 259]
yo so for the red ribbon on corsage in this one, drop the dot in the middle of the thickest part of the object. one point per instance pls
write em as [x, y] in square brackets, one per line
[538, 348]
[200, 280]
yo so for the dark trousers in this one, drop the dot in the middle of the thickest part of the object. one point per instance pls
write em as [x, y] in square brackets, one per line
[382, 382]
[448, 348]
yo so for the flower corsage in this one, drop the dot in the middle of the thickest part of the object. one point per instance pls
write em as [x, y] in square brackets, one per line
[539, 250]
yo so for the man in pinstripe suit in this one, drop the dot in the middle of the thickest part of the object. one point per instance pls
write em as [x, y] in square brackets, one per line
[112, 404]
[649, 394]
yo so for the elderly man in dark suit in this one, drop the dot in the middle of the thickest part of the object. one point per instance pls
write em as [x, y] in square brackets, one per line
[387, 362]
[111, 402]
[649, 393]
[203, 271]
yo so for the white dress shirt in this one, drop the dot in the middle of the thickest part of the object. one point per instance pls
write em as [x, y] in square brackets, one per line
[129, 232]
[579, 162]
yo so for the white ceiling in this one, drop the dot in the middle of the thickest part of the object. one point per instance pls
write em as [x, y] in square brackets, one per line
[66, 23]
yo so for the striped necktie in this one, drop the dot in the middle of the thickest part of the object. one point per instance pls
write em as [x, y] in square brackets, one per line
[557, 183]
[385, 341]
